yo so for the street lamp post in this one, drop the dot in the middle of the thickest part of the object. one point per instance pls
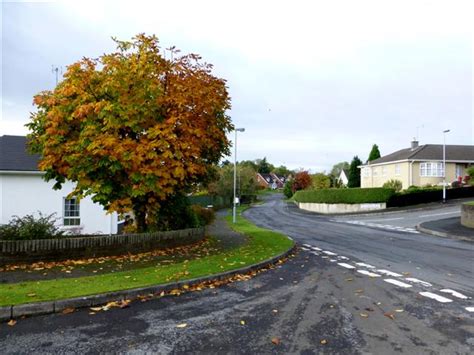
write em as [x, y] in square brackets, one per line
[444, 164]
[234, 210]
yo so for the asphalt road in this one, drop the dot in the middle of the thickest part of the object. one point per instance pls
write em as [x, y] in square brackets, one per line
[317, 302]
[376, 240]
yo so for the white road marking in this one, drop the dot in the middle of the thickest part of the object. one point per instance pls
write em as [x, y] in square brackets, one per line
[347, 266]
[382, 226]
[438, 214]
[305, 249]
[316, 248]
[385, 219]
[397, 283]
[343, 257]
[307, 245]
[454, 293]
[436, 297]
[314, 253]
[329, 252]
[389, 273]
[333, 260]
[368, 273]
[366, 265]
[424, 283]
[470, 309]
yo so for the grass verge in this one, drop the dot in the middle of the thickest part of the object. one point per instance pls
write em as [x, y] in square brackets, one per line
[262, 244]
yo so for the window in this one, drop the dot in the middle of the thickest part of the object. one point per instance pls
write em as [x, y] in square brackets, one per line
[397, 169]
[429, 169]
[71, 212]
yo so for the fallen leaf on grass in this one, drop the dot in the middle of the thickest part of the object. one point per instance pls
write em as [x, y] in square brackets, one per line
[96, 309]
[242, 322]
[323, 342]
[31, 294]
[276, 341]
[182, 325]
[68, 310]
[389, 315]
[12, 322]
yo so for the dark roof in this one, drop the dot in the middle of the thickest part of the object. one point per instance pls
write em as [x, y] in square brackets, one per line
[430, 152]
[268, 178]
[14, 154]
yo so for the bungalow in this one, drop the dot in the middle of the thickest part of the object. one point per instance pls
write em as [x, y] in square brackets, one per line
[418, 165]
[343, 178]
[271, 181]
[23, 191]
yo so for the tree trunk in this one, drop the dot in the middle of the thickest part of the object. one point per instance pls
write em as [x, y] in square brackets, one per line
[139, 212]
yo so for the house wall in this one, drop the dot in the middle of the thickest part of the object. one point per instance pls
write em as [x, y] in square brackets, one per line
[379, 178]
[22, 194]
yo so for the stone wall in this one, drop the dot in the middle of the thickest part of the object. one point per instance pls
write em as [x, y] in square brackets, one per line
[16, 251]
[467, 215]
[336, 208]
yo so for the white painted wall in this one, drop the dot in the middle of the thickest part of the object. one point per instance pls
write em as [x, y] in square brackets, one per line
[335, 208]
[27, 193]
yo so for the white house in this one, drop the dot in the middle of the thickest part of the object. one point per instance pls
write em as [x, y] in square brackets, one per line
[343, 177]
[23, 191]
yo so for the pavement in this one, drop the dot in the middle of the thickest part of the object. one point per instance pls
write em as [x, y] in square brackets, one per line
[448, 228]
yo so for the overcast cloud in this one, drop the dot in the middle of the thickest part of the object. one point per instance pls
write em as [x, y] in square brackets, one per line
[313, 82]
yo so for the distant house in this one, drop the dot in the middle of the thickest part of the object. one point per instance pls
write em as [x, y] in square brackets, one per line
[271, 181]
[23, 191]
[418, 165]
[343, 178]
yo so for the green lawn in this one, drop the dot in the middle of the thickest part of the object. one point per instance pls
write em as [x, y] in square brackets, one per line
[262, 244]
[471, 203]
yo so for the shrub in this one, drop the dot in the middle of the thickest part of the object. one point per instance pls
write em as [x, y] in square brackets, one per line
[301, 181]
[470, 173]
[288, 188]
[205, 216]
[350, 196]
[29, 228]
[393, 184]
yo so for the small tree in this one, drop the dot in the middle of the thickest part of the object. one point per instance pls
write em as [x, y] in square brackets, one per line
[374, 153]
[288, 188]
[301, 181]
[354, 173]
[320, 181]
[393, 184]
[470, 173]
[264, 167]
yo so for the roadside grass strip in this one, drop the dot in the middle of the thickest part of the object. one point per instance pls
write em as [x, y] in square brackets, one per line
[454, 294]
[436, 297]
[417, 281]
[397, 283]
[262, 245]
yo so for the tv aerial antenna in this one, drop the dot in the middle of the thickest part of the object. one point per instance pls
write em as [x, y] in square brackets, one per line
[57, 71]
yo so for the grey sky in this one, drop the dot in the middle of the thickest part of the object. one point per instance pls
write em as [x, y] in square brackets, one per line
[313, 82]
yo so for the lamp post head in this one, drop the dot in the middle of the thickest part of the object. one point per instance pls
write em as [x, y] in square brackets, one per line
[240, 129]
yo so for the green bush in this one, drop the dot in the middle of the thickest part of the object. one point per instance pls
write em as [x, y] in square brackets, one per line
[288, 189]
[29, 228]
[350, 196]
[205, 215]
[393, 184]
[470, 173]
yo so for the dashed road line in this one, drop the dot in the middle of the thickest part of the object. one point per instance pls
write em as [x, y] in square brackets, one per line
[347, 266]
[381, 226]
[470, 309]
[368, 266]
[327, 252]
[368, 273]
[454, 293]
[397, 283]
[417, 281]
[436, 297]
[389, 273]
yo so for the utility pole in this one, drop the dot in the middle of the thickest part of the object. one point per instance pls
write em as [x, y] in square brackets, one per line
[234, 209]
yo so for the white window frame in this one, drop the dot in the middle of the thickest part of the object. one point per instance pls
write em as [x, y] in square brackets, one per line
[431, 169]
[71, 217]
[397, 169]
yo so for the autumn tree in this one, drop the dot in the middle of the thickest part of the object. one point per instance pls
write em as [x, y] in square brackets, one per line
[133, 128]
[301, 181]
[320, 181]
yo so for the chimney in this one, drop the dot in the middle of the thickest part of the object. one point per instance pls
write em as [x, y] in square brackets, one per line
[414, 144]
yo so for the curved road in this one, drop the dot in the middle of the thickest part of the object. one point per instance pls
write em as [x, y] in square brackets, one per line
[445, 262]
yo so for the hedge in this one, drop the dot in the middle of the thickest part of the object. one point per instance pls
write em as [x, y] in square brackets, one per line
[411, 197]
[350, 196]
